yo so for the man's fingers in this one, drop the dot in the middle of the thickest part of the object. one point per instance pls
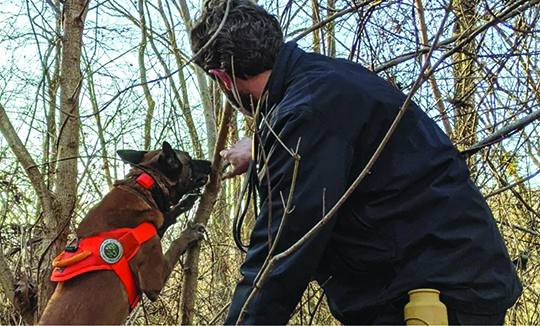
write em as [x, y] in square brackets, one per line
[238, 156]
[228, 175]
[231, 173]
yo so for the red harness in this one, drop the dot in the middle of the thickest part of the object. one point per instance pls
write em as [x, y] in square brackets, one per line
[110, 250]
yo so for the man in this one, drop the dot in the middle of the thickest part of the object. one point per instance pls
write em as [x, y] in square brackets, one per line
[416, 220]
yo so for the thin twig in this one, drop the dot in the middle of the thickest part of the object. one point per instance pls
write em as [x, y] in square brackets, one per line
[520, 228]
[503, 189]
[332, 18]
[502, 133]
[319, 301]
[216, 317]
[507, 14]
[206, 45]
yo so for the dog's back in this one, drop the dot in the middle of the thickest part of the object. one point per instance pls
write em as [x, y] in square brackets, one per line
[92, 298]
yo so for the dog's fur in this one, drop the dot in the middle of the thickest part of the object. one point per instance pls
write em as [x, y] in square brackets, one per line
[99, 297]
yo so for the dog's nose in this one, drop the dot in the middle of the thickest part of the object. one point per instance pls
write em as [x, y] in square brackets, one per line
[201, 170]
[202, 166]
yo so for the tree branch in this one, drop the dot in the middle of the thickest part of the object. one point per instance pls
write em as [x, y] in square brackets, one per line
[23, 156]
[502, 133]
[202, 216]
[465, 37]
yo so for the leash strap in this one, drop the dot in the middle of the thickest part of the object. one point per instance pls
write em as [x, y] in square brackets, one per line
[249, 190]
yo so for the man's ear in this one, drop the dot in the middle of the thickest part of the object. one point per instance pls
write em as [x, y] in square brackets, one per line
[130, 156]
[223, 76]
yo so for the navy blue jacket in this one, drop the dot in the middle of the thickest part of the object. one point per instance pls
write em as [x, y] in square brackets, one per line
[415, 221]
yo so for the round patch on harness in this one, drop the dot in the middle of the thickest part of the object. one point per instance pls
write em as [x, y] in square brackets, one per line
[111, 251]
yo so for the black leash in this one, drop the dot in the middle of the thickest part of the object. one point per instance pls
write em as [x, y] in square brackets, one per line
[250, 188]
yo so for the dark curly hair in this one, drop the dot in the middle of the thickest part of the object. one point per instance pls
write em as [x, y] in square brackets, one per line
[251, 36]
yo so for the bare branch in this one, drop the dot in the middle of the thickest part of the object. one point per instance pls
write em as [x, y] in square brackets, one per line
[206, 206]
[332, 18]
[502, 133]
[23, 156]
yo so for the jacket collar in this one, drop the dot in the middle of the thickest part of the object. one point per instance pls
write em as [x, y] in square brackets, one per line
[286, 59]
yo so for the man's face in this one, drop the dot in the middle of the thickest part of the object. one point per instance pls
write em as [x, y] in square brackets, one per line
[245, 106]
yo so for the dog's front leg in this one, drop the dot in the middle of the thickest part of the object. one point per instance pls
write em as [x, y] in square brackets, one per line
[155, 268]
[171, 217]
[151, 266]
[193, 233]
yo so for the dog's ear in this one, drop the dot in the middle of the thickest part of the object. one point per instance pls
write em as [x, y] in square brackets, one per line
[130, 156]
[169, 161]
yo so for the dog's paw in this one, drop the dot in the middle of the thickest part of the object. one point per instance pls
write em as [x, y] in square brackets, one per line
[194, 232]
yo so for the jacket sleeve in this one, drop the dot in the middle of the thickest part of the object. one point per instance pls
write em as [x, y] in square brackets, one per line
[323, 171]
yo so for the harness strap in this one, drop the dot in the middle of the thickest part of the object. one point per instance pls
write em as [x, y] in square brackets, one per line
[140, 234]
[123, 271]
[130, 241]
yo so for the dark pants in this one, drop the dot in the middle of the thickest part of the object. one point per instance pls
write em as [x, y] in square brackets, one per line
[393, 315]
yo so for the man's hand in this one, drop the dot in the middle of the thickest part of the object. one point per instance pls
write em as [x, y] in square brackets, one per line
[238, 156]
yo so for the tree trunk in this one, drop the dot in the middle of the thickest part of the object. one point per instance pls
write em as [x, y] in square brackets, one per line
[68, 144]
[432, 80]
[465, 77]
[331, 26]
[144, 81]
[204, 90]
[209, 197]
[53, 83]
[315, 19]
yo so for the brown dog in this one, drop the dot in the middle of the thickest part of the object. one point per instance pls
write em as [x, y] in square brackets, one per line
[156, 181]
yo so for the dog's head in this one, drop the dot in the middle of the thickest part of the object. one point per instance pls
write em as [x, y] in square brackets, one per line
[173, 170]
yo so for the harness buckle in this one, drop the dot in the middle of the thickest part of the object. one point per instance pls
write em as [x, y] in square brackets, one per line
[71, 247]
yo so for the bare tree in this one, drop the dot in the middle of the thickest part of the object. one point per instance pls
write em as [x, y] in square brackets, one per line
[58, 204]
